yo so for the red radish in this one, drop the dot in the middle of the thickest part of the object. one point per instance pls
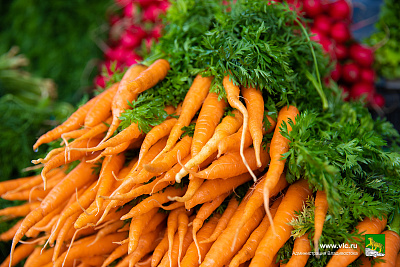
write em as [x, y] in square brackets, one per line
[312, 7]
[100, 81]
[164, 6]
[368, 75]
[362, 89]
[340, 32]
[151, 13]
[122, 3]
[129, 10]
[337, 72]
[340, 51]
[378, 100]
[129, 40]
[340, 10]
[350, 72]
[322, 23]
[362, 54]
[131, 58]
[156, 31]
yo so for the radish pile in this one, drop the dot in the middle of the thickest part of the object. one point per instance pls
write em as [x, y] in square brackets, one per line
[353, 71]
[133, 26]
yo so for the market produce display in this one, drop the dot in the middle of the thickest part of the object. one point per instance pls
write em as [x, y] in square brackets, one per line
[165, 167]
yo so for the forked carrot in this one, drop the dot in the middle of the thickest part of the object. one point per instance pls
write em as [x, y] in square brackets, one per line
[279, 146]
[101, 109]
[228, 125]
[321, 207]
[301, 250]
[255, 107]
[210, 115]
[274, 239]
[232, 95]
[75, 121]
[223, 221]
[191, 104]
[366, 226]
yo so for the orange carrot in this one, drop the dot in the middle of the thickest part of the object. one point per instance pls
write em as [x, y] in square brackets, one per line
[160, 250]
[9, 234]
[21, 252]
[232, 143]
[204, 212]
[392, 247]
[300, 254]
[18, 211]
[223, 221]
[100, 128]
[78, 177]
[209, 117]
[230, 164]
[113, 150]
[62, 235]
[321, 207]
[279, 146]
[137, 227]
[210, 189]
[366, 226]
[255, 106]
[116, 254]
[153, 201]
[222, 251]
[292, 202]
[172, 227]
[101, 109]
[11, 185]
[39, 258]
[75, 121]
[132, 84]
[232, 95]
[249, 248]
[191, 257]
[191, 104]
[228, 126]
[183, 222]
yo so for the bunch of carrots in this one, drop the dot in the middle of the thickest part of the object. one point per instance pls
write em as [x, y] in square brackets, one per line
[177, 202]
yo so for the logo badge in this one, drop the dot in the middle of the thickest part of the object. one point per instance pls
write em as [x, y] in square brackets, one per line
[375, 245]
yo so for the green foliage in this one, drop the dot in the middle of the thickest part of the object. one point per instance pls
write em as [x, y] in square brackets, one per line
[59, 39]
[387, 56]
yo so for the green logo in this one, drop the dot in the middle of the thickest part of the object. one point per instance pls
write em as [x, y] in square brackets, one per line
[375, 245]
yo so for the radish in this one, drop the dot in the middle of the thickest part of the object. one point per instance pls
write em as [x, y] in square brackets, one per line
[350, 72]
[363, 55]
[337, 72]
[340, 51]
[151, 13]
[312, 7]
[368, 75]
[340, 32]
[131, 58]
[129, 40]
[100, 81]
[322, 23]
[378, 100]
[362, 89]
[340, 10]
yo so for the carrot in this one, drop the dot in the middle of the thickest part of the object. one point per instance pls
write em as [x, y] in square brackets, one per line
[398, 260]
[392, 247]
[183, 221]
[101, 109]
[228, 125]
[172, 227]
[204, 212]
[9, 234]
[11, 185]
[300, 254]
[62, 234]
[210, 189]
[279, 145]
[21, 252]
[78, 177]
[364, 261]
[116, 254]
[232, 142]
[160, 250]
[137, 226]
[75, 121]
[230, 165]
[248, 250]
[111, 166]
[292, 202]
[152, 201]
[85, 249]
[232, 95]
[321, 207]
[60, 159]
[181, 149]
[36, 229]
[72, 135]
[222, 251]
[18, 211]
[109, 229]
[132, 84]
[366, 226]
[223, 221]
[255, 106]
[209, 117]
[100, 128]
[113, 150]
[191, 257]
[39, 258]
[191, 104]
[92, 260]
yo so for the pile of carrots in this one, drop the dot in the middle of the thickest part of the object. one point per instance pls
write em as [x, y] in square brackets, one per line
[177, 202]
